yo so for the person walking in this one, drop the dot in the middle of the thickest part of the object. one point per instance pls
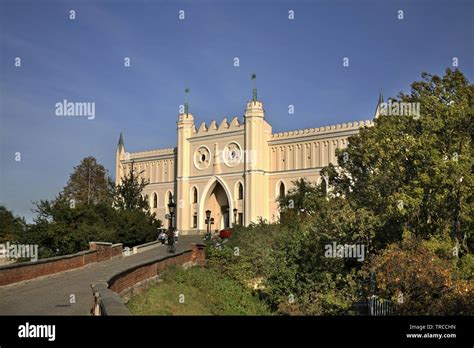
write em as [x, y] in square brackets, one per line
[162, 237]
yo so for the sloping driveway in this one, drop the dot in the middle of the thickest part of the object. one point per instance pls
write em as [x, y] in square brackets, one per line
[51, 295]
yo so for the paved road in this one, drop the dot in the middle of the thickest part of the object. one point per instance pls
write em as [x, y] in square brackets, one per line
[50, 295]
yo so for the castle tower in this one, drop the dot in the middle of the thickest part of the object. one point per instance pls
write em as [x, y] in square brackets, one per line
[257, 133]
[119, 156]
[185, 125]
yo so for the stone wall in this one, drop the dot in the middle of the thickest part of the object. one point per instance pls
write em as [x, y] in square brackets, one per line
[22, 271]
[107, 294]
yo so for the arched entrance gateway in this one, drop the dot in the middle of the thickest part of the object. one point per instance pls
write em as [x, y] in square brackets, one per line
[217, 201]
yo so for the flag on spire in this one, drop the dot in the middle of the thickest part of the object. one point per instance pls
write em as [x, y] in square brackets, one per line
[254, 92]
[186, 105]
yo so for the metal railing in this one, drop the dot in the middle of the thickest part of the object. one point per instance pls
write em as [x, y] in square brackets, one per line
[380, 307]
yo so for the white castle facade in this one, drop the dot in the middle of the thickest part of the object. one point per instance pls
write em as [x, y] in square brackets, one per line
[237, 169]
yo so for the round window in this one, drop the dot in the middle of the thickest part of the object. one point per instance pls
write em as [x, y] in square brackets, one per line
[232, 154]
[202, 157]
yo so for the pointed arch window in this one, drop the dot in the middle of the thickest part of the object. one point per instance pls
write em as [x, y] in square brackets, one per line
[324, 186]
[155, 200]
[195, 195]
[282, 189]
[240, 191]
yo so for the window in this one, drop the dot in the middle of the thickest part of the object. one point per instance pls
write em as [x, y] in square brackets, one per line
[155, 200]
[195, 195]
[170, 197]
[241, 219]
[324, 186]
[241, 191]
[195, 220]
[282, 190]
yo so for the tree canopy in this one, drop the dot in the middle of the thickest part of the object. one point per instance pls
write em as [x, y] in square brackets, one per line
[88, 183]
[402, 189]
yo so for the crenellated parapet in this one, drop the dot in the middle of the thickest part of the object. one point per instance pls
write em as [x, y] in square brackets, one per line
[150, 153]
[322, 130]
[213, 128]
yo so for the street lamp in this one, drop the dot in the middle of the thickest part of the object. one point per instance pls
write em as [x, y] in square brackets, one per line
[172, 208]
[235, 215]
[208, 222]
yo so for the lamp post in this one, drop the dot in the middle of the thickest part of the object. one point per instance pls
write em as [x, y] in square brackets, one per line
[235, 215]
[171, 236]
[172, 207]
[208, 222]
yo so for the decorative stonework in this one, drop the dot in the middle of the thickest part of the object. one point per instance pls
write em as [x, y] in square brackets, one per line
[224, 126]
[232, 154]
[202, 157]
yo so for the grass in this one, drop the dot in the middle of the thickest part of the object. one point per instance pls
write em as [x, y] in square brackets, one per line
[197, 291]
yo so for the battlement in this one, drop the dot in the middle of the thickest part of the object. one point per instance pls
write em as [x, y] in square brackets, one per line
[324, 129]
[213, 128]
[150, 153]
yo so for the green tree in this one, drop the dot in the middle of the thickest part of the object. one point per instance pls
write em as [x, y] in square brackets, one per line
[88, 183]
[301, 201]
[63, 226]
[133, 227]
[404, 174]
[128, 194]
[11, 227]
[415, 173]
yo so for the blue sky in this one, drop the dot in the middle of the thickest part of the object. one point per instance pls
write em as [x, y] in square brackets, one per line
[297, 62]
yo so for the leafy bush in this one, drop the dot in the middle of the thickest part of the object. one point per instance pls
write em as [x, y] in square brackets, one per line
[247, 257]
[421, 282]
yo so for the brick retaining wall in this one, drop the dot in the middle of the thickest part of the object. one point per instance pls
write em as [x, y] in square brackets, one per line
[22, 271]
[111, 304]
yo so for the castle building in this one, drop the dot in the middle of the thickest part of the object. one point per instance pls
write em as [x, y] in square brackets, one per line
[237, 169]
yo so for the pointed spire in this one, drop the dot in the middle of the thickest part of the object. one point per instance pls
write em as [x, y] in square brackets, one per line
[377, 109]
[120, 142]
